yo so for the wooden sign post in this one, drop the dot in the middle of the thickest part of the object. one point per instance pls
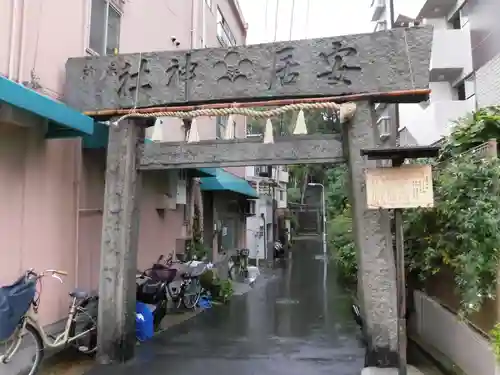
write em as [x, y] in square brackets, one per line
[408, 186]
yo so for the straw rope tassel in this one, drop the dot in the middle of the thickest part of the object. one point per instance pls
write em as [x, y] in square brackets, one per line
[346, 112]
[157, 135]
[300, 124]
[268, 133]
[193, 135]
[229, 133]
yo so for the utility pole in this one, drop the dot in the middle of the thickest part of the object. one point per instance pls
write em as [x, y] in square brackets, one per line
[399, 243]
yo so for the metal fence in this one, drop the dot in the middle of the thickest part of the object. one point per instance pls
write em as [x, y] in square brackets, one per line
[485, 150]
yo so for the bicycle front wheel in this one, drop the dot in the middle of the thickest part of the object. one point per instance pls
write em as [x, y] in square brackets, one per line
[233, 272]
[192, 294]
[22, 353]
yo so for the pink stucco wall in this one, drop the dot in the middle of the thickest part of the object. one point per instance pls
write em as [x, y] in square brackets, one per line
[38, 216]
[158, 231]
[52, 199]
[52, 191]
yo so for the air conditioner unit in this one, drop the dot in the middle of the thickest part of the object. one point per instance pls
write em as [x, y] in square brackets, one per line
[249, 207]
[264, 171]
[384, 126]
[165, 202]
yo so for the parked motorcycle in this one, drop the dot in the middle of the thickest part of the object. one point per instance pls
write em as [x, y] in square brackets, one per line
[152, 288]
[279, 250]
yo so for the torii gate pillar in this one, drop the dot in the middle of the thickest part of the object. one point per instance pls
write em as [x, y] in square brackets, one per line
[376, 267]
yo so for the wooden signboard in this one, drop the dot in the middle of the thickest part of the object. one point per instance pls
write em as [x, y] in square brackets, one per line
[408, 186]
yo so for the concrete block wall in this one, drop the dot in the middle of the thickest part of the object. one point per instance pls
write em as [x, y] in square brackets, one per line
[440, 330]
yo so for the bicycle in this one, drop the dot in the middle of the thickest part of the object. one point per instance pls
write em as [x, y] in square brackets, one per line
[239, 266]
[189, 292]
[80, 328]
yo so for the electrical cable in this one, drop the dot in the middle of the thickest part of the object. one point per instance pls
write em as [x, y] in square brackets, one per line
[276, 20]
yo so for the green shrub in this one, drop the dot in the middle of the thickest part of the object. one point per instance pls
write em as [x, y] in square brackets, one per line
[341, 244]
[220, 290]
[462, 231]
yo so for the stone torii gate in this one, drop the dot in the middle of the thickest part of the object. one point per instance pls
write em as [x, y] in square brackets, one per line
[389, 66]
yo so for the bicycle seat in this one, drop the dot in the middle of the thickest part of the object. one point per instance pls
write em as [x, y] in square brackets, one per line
[79, 294]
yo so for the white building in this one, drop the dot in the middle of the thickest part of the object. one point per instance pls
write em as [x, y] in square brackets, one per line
[451, 72]
[271, 184]
[464, 75]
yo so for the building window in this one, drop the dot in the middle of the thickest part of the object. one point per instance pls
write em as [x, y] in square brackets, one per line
[467, 88]
[105, 22]
[224, 33]
[460, 19]
[282, 195]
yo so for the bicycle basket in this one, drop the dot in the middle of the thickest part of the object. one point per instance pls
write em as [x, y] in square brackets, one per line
[161, 273]
[15, 300]
[150, 292]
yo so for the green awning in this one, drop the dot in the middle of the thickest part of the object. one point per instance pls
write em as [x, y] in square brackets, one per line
[225, 181]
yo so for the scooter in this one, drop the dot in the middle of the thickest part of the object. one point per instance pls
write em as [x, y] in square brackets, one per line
[279, 250]
[152, 289]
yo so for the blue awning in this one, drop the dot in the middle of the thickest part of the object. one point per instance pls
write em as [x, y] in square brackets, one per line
[225, 181]
[24, 98]
[210, 171]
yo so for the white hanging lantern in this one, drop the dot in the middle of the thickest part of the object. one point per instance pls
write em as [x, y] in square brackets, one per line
[268, 133]
[300, 124]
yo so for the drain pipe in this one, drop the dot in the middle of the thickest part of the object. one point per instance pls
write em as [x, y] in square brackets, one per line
[20, 69]
[194, 22]
[12, 45]
[204, 24]
[265, 235]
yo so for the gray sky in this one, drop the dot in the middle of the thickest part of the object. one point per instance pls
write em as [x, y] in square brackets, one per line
[325, 18]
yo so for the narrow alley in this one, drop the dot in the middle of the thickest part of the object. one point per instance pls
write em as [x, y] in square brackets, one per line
[299, 322]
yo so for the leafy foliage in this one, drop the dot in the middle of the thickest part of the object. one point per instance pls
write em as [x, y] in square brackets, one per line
[472, 130]
[196, 248]
[495, 340]
[462, 231]
[220, 290]
[341, 241]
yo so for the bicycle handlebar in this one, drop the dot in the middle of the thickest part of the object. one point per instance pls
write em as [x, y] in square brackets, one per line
[56, 272]
[53, 273]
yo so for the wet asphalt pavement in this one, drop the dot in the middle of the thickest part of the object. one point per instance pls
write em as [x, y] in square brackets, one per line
[298, 322]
